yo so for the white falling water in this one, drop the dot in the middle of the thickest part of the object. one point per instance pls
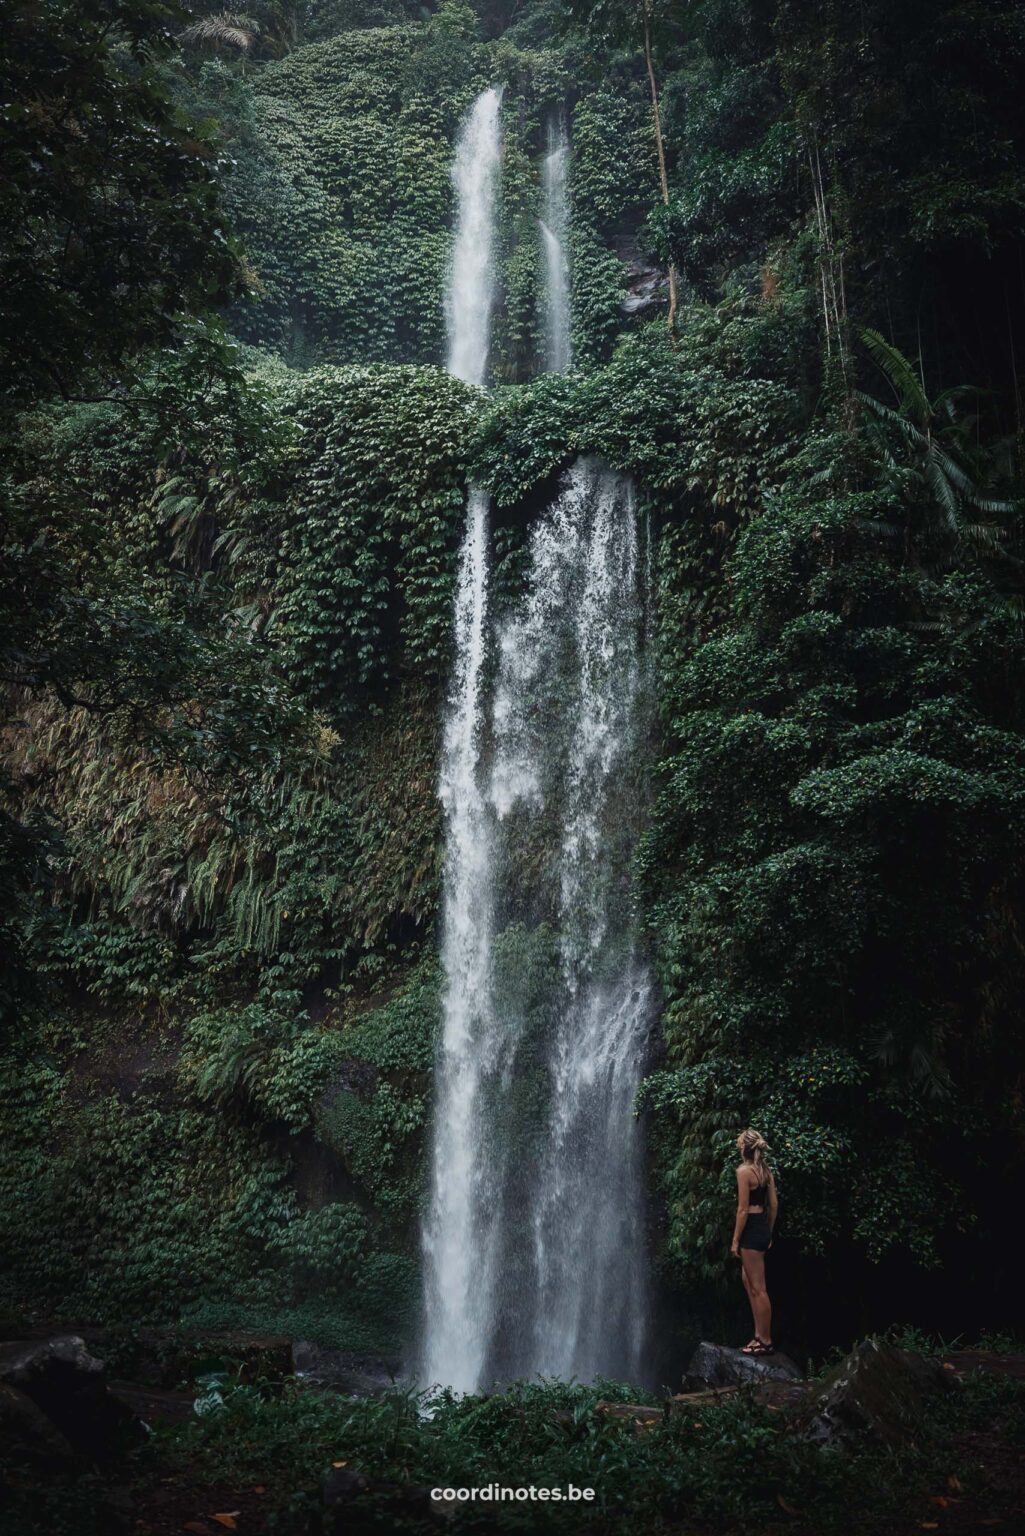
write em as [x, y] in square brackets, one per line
[533, 1243]
[570, 712]
[471, 291]
[555, 237]
[459, 1232]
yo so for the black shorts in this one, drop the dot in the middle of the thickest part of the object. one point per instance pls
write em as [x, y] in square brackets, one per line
[757, 1233]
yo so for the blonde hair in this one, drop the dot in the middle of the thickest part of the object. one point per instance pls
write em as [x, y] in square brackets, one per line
[753, 1149]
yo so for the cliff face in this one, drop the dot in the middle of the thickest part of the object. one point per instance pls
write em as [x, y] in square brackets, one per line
[225, 847]
[229, 1059]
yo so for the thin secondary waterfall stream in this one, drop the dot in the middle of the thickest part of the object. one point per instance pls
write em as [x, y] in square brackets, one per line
[534, 1238]
[555, 238]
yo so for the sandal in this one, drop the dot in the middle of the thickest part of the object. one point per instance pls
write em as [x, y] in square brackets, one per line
[750, 1346]
[760, 1348]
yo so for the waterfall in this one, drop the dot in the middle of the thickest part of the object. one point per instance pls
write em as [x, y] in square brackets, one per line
[570, 715]
[459, 1232]
[534, 1247]
[471, 290]
[555, 235]
[533, 1240]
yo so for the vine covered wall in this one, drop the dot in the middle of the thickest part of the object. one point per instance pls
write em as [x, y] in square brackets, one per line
[229, 550]
[343, 195]
[219, 1082]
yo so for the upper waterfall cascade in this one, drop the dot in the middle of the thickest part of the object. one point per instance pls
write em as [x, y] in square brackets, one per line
[555, 237]
[533, 1241]
[470, 298]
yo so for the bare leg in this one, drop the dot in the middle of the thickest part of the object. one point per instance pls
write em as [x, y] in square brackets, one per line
[747, 1288]
[754, 1278]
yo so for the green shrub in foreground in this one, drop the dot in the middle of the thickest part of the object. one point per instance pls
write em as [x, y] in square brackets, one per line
[727, 1466]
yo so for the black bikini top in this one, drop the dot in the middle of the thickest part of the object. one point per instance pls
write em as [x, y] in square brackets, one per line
[757, 1196]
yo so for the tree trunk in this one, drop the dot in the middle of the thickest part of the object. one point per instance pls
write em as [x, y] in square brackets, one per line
[660, 146]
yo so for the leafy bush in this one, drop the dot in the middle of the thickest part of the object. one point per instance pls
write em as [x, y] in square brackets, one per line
[832, 869]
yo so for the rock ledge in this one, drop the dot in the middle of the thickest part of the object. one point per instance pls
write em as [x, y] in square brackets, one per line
[714, 1365]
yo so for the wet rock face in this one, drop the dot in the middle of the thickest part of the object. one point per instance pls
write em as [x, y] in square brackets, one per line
[647, 288]
[68, 1388]
[878, 1392]
[713, 1365]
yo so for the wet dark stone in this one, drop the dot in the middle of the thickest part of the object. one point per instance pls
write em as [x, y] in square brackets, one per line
[715, 1365]
[647, 288]
[343, 1370]
[352, 1503]
[29, 1437]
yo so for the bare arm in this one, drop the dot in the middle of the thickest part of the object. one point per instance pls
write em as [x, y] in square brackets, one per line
[743, 1194]
[773, 1205]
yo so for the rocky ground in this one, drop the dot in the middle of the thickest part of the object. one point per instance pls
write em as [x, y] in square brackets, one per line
[69, 1422]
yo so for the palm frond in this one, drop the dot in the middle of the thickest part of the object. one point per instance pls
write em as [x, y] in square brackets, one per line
[226, 29]
[944, 494]
[900, 371]
[984, 535]
[895, 418]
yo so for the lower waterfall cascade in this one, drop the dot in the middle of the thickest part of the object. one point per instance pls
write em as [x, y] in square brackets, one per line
[534, 1244]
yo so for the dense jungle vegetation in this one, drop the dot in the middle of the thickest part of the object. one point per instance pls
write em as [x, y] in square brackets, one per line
[233, 488]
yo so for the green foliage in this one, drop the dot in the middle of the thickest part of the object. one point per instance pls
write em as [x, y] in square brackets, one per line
[730, 1465]
[612, 181]
[367, 555]
[336, 156]
[902, 122]
[113, 229]
[399, 1035]
[343, 192]
[932, 443]
[272, 1064]
[375, 1113]
[227, 593]
[326, 1248]
[214, 838]
[167, 1187]
[835, 872]
[327, 18]
[671, 417]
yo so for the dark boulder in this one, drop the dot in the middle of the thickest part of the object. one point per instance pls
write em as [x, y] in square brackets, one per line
[714, 1365]
[877, 1392]
[68, 1386]
[28, 1437]
[169, 1358]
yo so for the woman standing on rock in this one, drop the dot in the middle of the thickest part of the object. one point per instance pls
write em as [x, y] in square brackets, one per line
[752, 1233]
